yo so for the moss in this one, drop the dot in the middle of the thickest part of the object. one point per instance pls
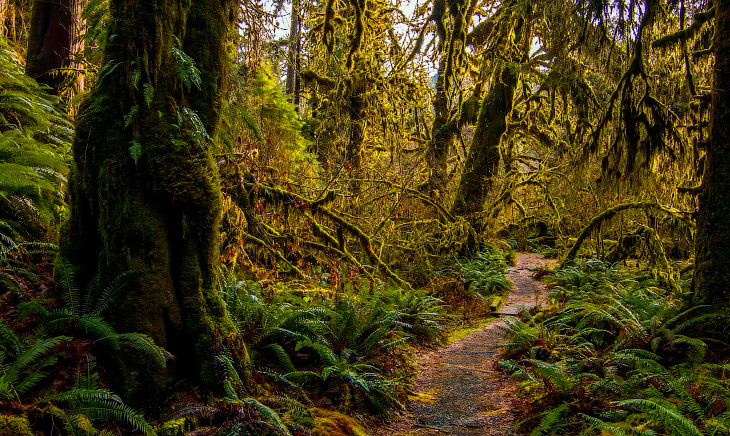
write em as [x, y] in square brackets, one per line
[159, 214]
[14, 426]
[173, 427]
[329, 423]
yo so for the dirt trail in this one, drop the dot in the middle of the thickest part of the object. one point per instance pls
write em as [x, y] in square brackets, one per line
[460, 393]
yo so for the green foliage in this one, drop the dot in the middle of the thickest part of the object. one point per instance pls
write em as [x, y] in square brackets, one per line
[24, 365]
[83, 407]
[34, 142]
[342, 338]
[16, 260]
[625, 355]
[484, 273]
[185, 68]
[261, 126]
[82, 316]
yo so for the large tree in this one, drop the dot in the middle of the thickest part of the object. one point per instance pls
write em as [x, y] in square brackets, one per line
[145, 193]
[712, 240]
[54, 40]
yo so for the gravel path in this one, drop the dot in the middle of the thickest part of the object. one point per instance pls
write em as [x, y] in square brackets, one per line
[459, 392]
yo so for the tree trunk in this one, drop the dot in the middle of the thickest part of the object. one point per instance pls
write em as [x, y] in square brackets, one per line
[442, 133]
[50, 45]
[356, 113]
[145, 193]
[712, 241]
[292, 67]
[482, 163]
[4, 12]
[7, 19]
[444, 129]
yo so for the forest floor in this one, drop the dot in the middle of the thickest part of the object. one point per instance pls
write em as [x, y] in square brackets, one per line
[458, 390]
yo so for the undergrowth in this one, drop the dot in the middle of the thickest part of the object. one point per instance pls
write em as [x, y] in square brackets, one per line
[620, 355]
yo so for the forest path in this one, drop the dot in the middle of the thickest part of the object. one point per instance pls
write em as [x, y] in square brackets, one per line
[459, 391]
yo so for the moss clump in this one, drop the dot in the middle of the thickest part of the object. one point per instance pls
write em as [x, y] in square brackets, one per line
[329, 423]
[173, 427]
[14, 426]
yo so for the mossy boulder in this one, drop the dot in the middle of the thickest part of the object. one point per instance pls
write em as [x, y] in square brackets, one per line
[330, 423]
[14, 426]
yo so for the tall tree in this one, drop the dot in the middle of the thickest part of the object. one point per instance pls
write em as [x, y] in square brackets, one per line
[482, 162]
[293, 66]
[145, 193]
[51, 42]
[712, 240]
[446, 122]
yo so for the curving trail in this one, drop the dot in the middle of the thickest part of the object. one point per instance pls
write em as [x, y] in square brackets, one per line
[460, 394]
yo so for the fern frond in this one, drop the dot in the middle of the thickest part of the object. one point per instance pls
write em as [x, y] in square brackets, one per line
[663, 415]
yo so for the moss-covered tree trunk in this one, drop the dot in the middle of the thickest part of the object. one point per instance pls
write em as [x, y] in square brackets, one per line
[442, 133]
[445, 126]
[145, 194]
[482, 163]
[7, 19]
[356, 114]
[4, 12]
[712, 241]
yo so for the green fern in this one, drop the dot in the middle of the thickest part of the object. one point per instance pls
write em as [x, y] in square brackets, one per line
[34, 143]
[185, 67]
[99, 405]
[550, 421]
[23, 367]
[663, 415]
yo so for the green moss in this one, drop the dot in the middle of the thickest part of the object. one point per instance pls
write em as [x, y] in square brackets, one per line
[329, 423]
[463, 332]
[14, 426]
[173, 427]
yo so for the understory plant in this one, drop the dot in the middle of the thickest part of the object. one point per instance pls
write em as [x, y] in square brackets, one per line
[328, 347]
[620, 356]
[35, 137]
[48, 363]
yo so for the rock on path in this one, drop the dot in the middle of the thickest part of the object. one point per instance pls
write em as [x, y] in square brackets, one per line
[460, 393]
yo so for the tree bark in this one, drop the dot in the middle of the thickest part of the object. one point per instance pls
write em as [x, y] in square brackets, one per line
[50, 43]
[7, 19]
[482, 163]
[292, 67]
[442, 133]
[712, 241]
[145, 193]
[356, 114]
[4, 5]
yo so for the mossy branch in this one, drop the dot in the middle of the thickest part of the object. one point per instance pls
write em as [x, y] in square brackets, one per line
[318, 207]
[684, 34]
[606, 215]
[310, 76]
[279, 255]
[367, 245]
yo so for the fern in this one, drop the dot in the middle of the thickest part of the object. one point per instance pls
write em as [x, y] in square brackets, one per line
[185, 67]
[663, 415]
[550, 419]
[148, 93]
[98, 404]
[34, 143]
